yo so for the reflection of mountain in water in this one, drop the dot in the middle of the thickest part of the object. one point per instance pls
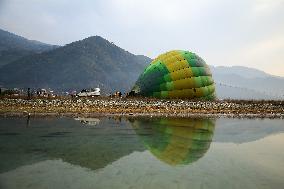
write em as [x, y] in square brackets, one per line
[176, 140]
[246, 130]
[66, 139]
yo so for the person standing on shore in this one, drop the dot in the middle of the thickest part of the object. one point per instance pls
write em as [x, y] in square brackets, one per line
[29, 93]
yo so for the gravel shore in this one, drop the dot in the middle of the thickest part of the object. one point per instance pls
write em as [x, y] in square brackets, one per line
[141, 106]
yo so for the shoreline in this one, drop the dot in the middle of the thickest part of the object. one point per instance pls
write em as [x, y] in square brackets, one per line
[94, 115]
[85, 107]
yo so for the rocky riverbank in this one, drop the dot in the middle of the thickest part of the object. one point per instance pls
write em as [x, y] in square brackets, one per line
[141, 106]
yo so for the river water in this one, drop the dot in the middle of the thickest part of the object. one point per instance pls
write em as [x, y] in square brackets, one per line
[141, 152]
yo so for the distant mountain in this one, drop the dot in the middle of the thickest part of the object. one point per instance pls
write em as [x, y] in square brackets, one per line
[13, 47]
[230, 92]
[239, 82]
[240, 71]
[92, 62]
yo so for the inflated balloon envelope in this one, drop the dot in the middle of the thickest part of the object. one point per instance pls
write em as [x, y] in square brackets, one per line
[176, 141]
[176, 74]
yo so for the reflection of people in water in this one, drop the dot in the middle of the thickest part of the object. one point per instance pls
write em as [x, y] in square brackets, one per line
[176, 140]
[117, 119]
[28, 120]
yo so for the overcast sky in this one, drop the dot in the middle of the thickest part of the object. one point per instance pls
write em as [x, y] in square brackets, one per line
[223, 32]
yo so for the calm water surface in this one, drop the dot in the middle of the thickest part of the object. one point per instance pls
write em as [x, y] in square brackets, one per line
[141, 153]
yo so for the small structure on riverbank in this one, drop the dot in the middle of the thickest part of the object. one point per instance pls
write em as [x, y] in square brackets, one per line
[92, 92]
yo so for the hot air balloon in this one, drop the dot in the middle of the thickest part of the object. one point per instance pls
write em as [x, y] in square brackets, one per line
[176, 74]
[176, 141]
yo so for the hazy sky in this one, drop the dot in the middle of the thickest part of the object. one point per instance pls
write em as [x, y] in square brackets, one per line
[223, 32]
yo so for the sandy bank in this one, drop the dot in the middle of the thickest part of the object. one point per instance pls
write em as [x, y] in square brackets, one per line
[141, 107]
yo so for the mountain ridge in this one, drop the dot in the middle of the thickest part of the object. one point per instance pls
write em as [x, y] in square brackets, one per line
[90, 62]
[261, 82]
[13, 47]
[243, 71]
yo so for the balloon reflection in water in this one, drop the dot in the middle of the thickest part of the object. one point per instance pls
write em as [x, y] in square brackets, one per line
[176, 141]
